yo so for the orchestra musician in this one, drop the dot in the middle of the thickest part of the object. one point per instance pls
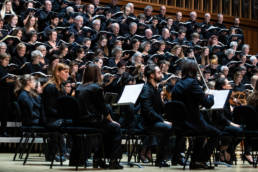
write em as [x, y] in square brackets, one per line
[53, 90]
[188, 91]
[152, 109]
[29, 101]
[95, 113]
[116, 33]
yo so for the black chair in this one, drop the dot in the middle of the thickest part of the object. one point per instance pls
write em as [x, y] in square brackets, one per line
[248, 118]
[27, 132]
[176, 112]
[68, 108]
[133, 141]
[30, 132]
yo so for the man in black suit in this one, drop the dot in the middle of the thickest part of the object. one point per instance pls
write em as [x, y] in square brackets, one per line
[188, 91]
[220, 23]
[44, 14]
[152, 110]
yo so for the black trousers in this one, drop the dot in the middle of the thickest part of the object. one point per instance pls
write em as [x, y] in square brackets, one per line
[111, 141]
[163, 131]
[55, 140]
[202, 145]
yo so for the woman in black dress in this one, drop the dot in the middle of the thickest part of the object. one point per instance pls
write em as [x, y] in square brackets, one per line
[52, 91]
[28, 100]
[95, 113]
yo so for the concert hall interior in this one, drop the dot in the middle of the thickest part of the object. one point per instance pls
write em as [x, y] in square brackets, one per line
[128, 85]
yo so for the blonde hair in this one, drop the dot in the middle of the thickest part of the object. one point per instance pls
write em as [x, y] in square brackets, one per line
[3, 10]
[214, 60]
[22, 82]
[173, 51]
[20, 46]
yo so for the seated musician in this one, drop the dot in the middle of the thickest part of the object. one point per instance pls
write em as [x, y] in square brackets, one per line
[95, 113]
[238, 86]
[53, 90]
[252, 99]
[28, 100]
[6, 89]
[222, 119]
[188, 91]
[152, 109]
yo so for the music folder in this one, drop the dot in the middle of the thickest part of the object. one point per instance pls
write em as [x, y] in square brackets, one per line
[130, 94]
[220, 97]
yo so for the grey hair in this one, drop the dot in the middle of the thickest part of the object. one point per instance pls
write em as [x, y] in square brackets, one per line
[252, 58]
[245, 46]
[219, 15]
[36, 53]
[3, 44]
[69, 9]
[132, 24]
[229, 51]
[223, 68]
[41, 47]
[233, 43]
[207, 14]
[129, 5]
[78, 17]
[136, 54]
[96, 21]
[114, 24]
[115, 50]
[148, 7]
[143, 45]
[193, 13]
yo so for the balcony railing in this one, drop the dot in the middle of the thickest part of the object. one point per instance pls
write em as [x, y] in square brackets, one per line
[237, 8]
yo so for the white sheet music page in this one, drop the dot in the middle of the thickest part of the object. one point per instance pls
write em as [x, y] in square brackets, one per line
[130, 94]
[220, 97]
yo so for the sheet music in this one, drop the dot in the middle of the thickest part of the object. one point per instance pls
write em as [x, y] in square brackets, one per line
[130, 94]
[220, 97]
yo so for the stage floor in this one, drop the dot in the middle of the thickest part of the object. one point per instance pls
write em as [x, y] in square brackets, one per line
[37, 164]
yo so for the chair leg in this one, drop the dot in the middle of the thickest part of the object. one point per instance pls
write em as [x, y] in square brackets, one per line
[132, 151]
[18, 148]
[29, 150]
[242, 148]
[60, 151]
[136, 148]
[188, 152]
[27, 137]
[128, 149]
[52, 162]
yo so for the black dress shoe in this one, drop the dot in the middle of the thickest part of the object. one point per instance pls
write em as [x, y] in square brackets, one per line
[161, 164]
[179, 159]
[57, 158]
[200, 165]
[115, 165]
[143, 159]
[99, 163]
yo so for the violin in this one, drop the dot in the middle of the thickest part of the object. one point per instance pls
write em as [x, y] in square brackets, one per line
[238, 98]
[167, 95]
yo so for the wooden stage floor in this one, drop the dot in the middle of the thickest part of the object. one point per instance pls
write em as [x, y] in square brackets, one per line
[37, 164]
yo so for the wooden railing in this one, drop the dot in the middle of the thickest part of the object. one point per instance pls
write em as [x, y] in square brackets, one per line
[248, 15]
[240, 8]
